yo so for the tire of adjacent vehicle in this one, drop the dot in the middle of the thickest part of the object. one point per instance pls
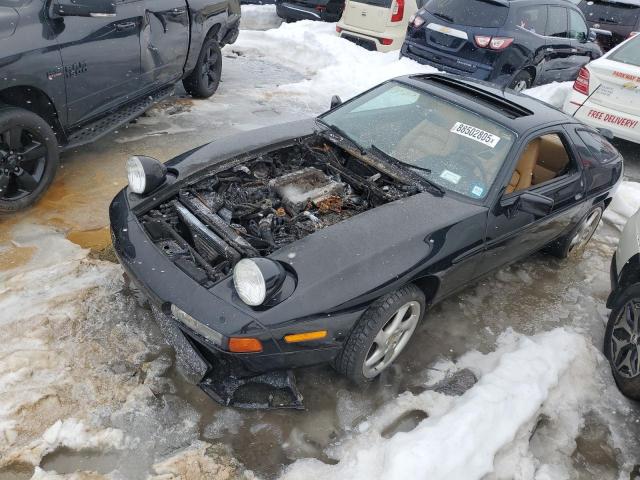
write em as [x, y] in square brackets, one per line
[628, 386]
[521, 81]
[350, 361]
[563, 248]
[19, 117]
[196, 84]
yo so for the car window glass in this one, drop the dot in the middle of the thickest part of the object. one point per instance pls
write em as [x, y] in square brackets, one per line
[577, 28]
[532, 18]
[463, 150]
[599, 146]
[545, 158]
[629, 53]
[477, 13]
[612, 12]
[557, 22]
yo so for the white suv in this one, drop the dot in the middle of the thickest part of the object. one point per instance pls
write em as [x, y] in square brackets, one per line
[376, 24]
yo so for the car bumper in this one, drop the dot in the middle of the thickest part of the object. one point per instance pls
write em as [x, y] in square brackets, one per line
[622, 125]
[370, 40]
[164, 284]
[290, 11]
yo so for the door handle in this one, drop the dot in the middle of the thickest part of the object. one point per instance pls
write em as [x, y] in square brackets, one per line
[549, 50]
[178, 11]
[126, 26]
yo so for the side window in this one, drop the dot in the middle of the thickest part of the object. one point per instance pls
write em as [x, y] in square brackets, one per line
[599, 146]
[557, 23]
[544, 159]
[532, 18]
[577, 28]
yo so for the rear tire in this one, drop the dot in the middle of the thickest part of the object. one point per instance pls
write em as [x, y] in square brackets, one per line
[521, 81]
[28, 158]
[616, 348]
[381, 334]
[205, 78]
[575, 243]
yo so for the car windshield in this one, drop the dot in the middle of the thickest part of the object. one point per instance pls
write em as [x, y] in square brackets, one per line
[628, 53]
[617, 13]
[463, 150]
[476, 13]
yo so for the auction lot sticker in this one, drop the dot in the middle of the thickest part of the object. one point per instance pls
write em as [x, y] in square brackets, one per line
[476, 134]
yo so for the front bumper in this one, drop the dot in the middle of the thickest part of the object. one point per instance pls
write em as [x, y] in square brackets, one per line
[292, 11]
[164, 284]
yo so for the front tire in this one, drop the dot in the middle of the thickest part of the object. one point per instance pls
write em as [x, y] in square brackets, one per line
[575, 243]
[28, 158]
[622, 342]
[205, 78]
[381, 334]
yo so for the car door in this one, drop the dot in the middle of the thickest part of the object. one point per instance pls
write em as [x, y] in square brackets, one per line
[558, 45]
[580, 45]
[555, 174]
[101, 59]
[165, 41]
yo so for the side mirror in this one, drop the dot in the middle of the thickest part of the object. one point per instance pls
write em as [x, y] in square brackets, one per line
[535, 204]
[84, 8]
[606, 133]
[336, 101]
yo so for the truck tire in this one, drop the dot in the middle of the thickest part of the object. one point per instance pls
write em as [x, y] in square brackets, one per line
[205, 78]
[28, 158]
[381, 334]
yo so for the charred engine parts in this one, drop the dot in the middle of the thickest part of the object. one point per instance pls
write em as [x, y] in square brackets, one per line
[269, 202]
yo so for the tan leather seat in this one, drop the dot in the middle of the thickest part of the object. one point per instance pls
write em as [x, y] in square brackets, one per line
[523, 174]
[552, 159]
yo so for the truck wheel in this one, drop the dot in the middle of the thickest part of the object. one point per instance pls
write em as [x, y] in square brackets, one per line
[575, 243]
[622, 342]
[381, 334]
[521, 81]
[205, 78]
[28, 158]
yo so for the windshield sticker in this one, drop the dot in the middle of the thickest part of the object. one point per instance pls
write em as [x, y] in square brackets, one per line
[477, 191]
[476, 134]
[450, 176]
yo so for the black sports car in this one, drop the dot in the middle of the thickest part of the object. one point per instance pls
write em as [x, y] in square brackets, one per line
[326, 240]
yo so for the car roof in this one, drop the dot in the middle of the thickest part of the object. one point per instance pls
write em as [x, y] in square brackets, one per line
[516, 111]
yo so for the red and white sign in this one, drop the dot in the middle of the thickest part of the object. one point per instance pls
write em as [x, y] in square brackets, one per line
[613, 119]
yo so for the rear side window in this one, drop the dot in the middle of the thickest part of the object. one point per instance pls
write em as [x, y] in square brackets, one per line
[628, 53]
[618, 13]
[599, 146]
[532, 18]
[557, 23]
[475, 13]
[577, 28]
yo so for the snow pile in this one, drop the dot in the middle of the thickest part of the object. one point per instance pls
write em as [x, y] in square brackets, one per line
[553, 93]
[625, 203]
[485, 430]
[259, 17]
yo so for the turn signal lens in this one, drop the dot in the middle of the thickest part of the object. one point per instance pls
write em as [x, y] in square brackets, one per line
[483, 41]
[244, 345]
[500, 43]
[581, 84]
[305, 337]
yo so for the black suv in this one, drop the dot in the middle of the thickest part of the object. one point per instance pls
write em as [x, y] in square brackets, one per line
[516, 44]
[73, 70]
[620, 17]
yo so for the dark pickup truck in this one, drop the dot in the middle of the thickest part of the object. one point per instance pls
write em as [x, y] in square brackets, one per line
[73, 70]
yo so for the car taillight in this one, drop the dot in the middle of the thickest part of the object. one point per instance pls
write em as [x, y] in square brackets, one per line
[386, 41]
[494, 43]
[582, 82]
[633, 34]
[416, 20]
[397, 13]
[338, 29]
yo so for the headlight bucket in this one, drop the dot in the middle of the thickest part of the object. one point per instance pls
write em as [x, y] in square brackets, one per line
[256, 280]
[145, 174]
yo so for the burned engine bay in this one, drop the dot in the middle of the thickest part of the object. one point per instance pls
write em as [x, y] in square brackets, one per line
[255, 208]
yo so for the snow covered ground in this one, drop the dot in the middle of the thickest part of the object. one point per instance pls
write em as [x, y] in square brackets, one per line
[504, 381]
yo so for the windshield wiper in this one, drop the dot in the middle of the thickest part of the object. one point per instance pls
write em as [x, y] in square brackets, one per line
[444, 17]
[392, 159]
[346, 136]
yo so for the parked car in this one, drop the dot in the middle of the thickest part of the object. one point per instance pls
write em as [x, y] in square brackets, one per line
[72, 71]
[322, 10]
[326, 240]
[622, 336]
[516, 44]
[620, 17]
[376, 24]
[607, 92]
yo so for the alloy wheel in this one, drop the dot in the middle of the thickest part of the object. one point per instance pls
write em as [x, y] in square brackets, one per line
[210, 67]
[391, 339]
[585, 232]
[625, 342]
[23, 157]
[520, 86]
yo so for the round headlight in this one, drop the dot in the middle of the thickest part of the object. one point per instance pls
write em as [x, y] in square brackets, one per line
[257, 279]
[145, 174]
